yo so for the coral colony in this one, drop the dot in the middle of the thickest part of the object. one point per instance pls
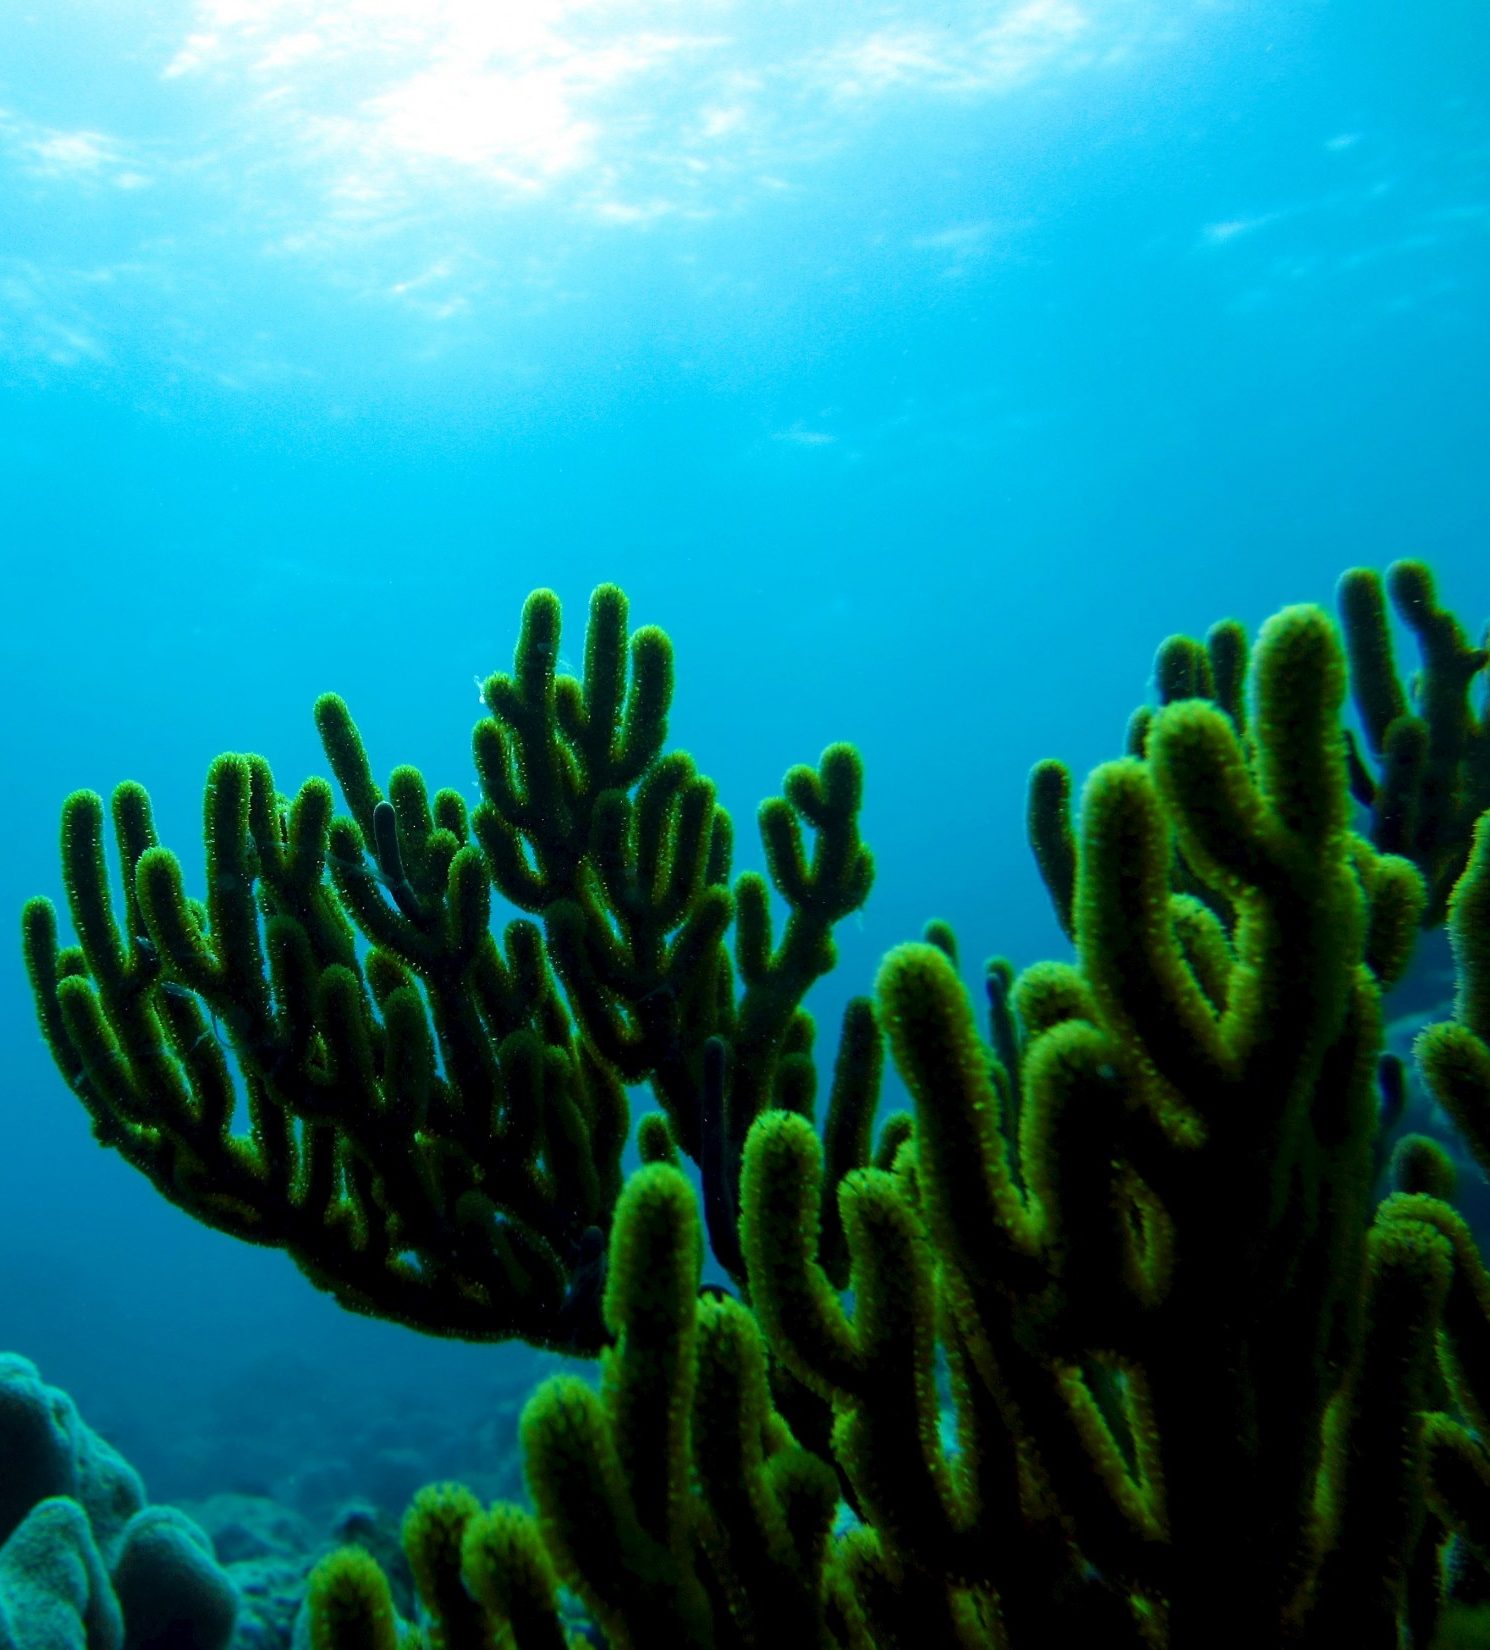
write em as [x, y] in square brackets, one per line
[1117, 1338]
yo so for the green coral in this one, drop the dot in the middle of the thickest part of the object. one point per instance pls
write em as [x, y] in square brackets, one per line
[673, 1500]
[349, 1604]
[1126, 1355]
[1145, 1273]
[1107, 1342]
[1429, 739]
[435, 1114]
[1423, 778]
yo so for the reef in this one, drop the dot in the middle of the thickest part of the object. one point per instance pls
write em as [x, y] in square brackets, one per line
[1112, 1338]
[85, 1562]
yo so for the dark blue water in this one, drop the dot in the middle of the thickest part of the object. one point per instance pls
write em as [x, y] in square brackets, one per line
[917, 368]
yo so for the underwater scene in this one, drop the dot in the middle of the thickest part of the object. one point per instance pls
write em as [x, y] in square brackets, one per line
[746, 760]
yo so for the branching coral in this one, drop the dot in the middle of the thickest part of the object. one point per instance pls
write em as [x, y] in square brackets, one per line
[1108, 1342]
[436, 1116]
[1146, 1265]
[1127, 1356]
[1430, 742]
[1428, 739]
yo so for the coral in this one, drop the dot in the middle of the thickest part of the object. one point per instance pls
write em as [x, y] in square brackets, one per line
[170, 1588]
[350, 1603]
[85, 1564]
[1126, 1355]
[673, 1500]
[1427, 779]
[54, 1590]
[435, 1118]
[1147, 1264]
[1431, 745]
[1198, 1389]
[1109, 1341]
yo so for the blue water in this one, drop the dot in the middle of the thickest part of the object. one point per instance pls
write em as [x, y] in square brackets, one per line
[918, 369]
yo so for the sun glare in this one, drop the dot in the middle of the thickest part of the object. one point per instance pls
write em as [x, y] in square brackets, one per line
[525, 95]
[505, 125]
[509, 92]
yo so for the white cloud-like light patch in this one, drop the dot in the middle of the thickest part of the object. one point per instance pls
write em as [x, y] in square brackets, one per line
[41, 321]
[69, 155]
[621, 112]
[1232, 229]
[456, 157]
[1387, 237]
[514, 114]
[434, 292]
[1021, 42]
[381, 102]
[961, 247]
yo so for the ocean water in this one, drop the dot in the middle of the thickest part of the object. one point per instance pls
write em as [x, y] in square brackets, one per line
[917, 368]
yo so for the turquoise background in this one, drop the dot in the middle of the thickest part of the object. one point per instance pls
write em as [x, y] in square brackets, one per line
[918, 368]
